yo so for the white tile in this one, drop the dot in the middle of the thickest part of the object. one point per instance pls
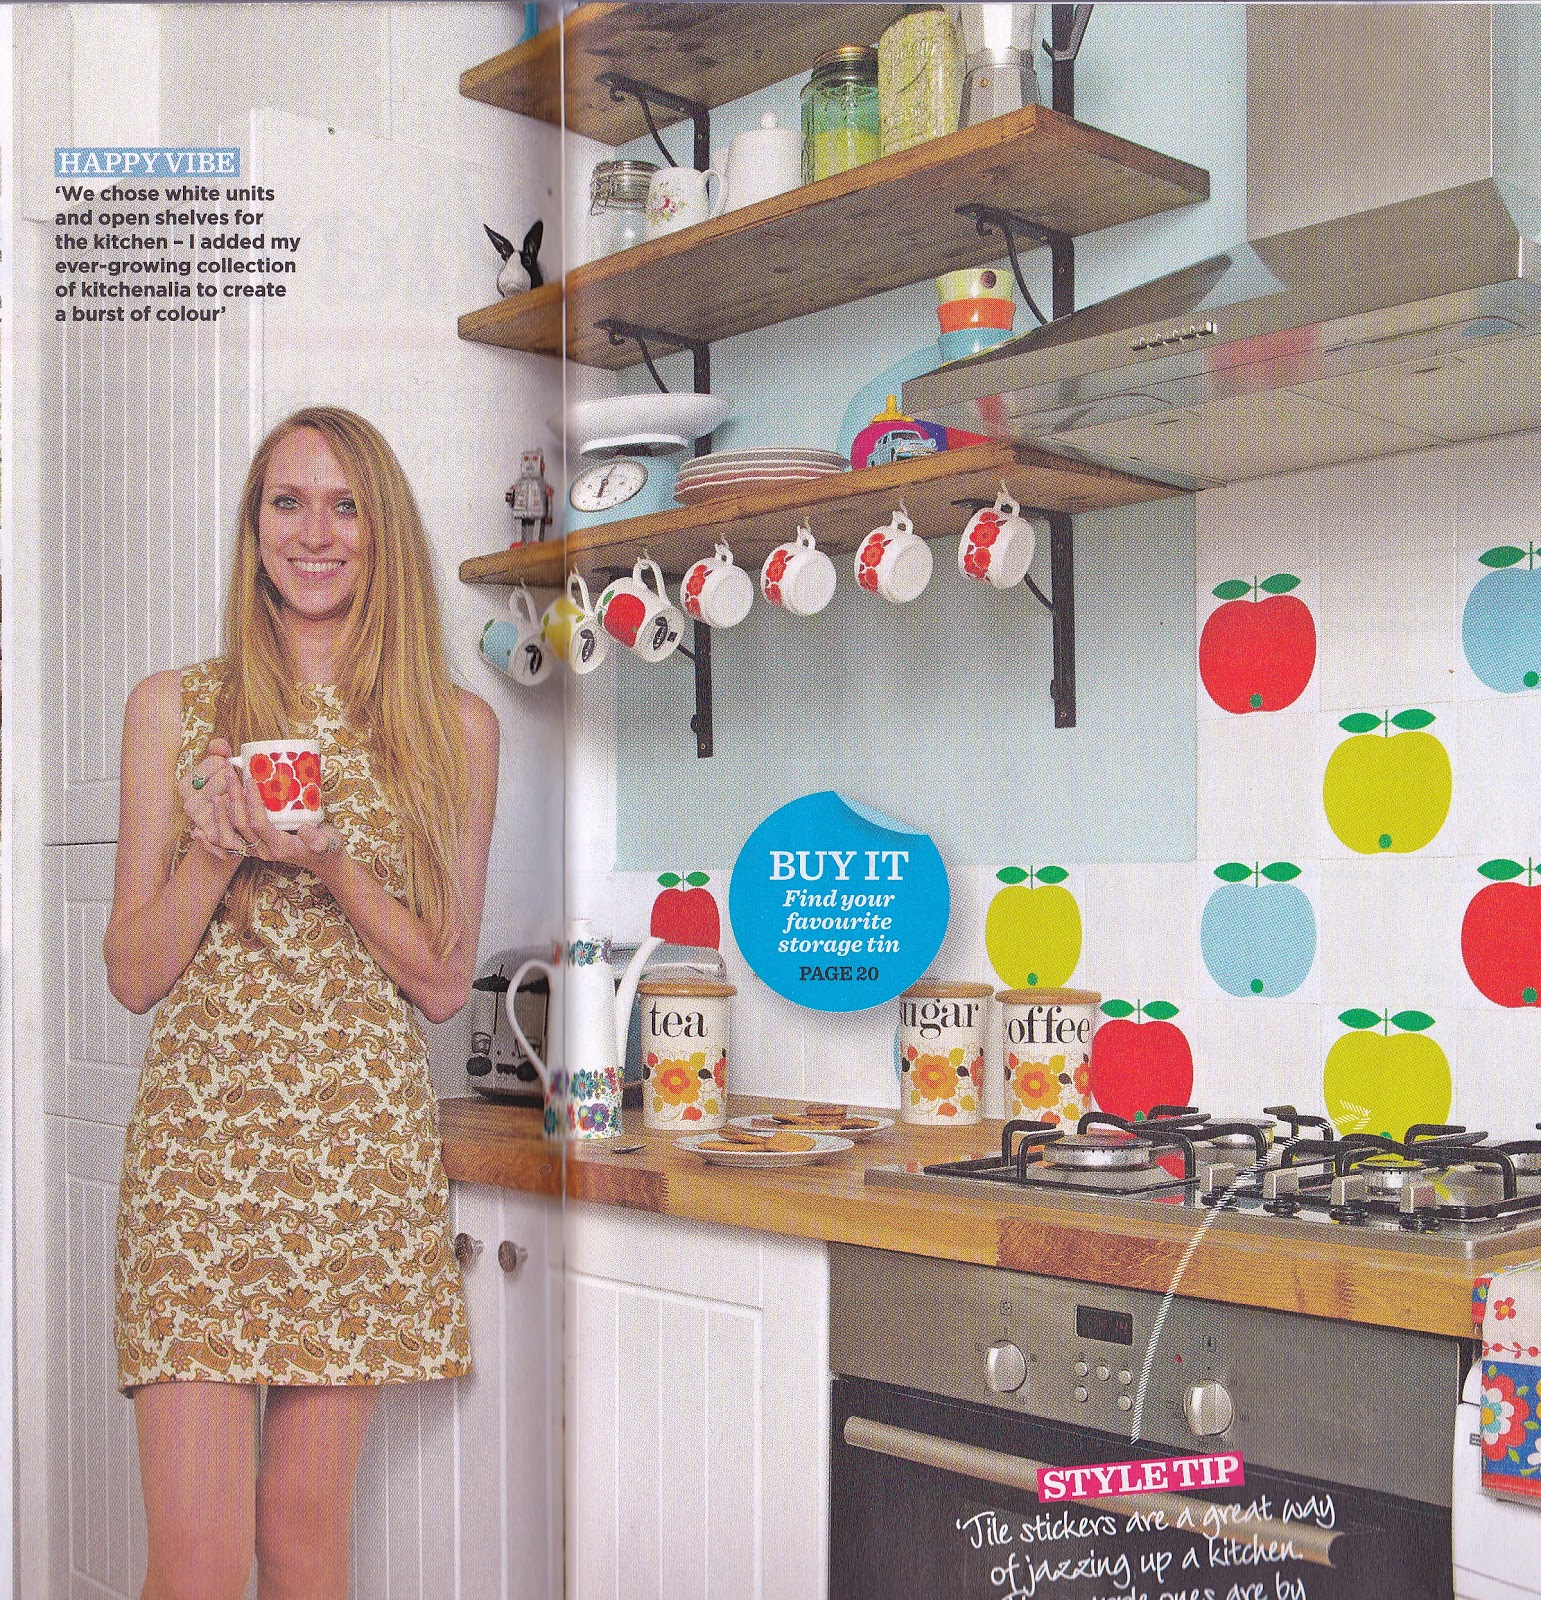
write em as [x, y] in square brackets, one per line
[1271, 522]
[1492, 1049]
[1389, 931]
[1384, 631]
[1250, 1054]
[1496, 807]
[1138, 923]
[1259, 787]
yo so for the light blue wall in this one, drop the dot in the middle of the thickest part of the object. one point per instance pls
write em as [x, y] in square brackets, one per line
[827, 703]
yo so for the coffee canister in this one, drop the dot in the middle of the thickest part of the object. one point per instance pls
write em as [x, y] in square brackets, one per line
[942, 1028]
[1046, 1052]
[684, 1025]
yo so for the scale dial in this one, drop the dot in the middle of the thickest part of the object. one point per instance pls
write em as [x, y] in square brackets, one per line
[608, 484]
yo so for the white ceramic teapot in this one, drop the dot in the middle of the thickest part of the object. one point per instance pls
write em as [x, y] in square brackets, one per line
[582, 1077]
[761, 162]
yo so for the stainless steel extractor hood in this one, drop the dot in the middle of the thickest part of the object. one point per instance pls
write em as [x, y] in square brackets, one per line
[1408, 323]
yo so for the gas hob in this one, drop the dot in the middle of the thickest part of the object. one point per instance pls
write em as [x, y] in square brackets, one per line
[1440, 1190]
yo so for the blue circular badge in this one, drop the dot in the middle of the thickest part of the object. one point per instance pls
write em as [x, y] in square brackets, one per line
[837, 907]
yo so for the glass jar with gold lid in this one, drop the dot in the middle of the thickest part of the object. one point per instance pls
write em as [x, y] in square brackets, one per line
[842, 127]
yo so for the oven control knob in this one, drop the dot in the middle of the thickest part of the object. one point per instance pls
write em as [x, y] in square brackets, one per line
[1081, 1369]
[1208, 1408]
[1005, 1368]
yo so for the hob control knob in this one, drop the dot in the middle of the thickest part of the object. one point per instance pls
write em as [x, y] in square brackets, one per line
[1005, 1367]
[1208, 1408]
[1081, 1369]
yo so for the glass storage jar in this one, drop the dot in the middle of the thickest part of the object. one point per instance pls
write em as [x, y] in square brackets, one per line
[920, 79]
[841, 124]
[617, 206]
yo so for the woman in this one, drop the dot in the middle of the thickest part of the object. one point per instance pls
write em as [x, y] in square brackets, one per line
[283, 1226]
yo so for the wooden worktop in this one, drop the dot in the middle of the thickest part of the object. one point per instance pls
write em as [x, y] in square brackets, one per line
[1347, 1276]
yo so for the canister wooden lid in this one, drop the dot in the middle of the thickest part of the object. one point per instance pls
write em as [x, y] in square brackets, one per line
[686, 988]
[1048, 997]
[946, 989]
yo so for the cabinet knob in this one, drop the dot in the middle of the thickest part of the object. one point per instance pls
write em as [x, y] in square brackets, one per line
[512, 1257]
[467, 1249]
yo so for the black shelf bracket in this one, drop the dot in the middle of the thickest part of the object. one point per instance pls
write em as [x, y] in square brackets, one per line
[701, 660]
[1061, 253]
[700, 351]
[1059, 603]
[1066, 31]
[648, 96]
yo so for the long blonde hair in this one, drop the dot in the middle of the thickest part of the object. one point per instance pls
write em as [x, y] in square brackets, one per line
[391, 673]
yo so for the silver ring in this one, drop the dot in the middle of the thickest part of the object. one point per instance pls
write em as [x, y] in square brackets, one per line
[335, 845]
[200, 780]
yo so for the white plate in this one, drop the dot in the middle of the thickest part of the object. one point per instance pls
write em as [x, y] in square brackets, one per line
[764, 1124]
[755, 469]
[641, 419]
[716, 488]
[778, 456]
[825, 1144]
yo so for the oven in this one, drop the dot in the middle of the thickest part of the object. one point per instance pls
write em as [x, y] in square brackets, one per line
[954, 1382]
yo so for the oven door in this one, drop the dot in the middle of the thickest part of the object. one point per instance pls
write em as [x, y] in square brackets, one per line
[915, 1518]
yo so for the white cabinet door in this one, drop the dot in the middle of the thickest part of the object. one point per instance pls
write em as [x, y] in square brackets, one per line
[507, 1441]
[697, 1396]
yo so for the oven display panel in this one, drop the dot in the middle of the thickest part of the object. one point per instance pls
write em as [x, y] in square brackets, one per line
[1109, 1327]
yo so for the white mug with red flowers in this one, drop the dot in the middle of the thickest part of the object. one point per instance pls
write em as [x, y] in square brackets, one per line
[716, 591]
[798, 576]
[894, 561]
[998, 543]
[684, 1053]
[1046, 1053]
[287, 773]
[942, 1028]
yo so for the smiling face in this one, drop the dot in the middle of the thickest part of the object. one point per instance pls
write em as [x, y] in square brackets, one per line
[309, 534]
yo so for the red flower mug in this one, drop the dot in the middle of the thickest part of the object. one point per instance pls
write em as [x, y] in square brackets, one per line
[998, 543]
[287, 773]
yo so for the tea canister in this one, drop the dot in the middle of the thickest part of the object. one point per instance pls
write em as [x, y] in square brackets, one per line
[1046, 1053]
[684, 1023]
[617, 206]
[942, 1028]
[842, 126]
[920, 79]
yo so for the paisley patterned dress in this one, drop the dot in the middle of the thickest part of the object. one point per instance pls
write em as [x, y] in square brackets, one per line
[284, 1210]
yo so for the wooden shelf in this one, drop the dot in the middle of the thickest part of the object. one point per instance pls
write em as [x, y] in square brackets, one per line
[839, 509]
[891, 222]
[530, 322]
[707, 53]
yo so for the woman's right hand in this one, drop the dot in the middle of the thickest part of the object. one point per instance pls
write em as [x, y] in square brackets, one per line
[207, 791]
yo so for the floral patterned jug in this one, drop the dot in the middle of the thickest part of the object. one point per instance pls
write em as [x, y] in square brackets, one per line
[583, 1079]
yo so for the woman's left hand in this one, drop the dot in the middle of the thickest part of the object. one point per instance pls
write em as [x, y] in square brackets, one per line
[306, 846]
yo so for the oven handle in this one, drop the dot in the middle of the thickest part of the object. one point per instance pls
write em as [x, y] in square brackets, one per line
[1017, 1472]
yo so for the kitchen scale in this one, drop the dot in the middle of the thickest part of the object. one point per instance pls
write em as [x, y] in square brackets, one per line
[628, 450]
[628, 480]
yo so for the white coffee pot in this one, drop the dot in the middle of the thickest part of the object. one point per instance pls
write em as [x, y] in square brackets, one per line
[589, 1016]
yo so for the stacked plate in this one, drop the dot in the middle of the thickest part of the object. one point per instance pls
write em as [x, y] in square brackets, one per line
[726, 472]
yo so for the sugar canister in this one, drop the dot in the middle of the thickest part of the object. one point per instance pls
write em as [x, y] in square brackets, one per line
[841, 123]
